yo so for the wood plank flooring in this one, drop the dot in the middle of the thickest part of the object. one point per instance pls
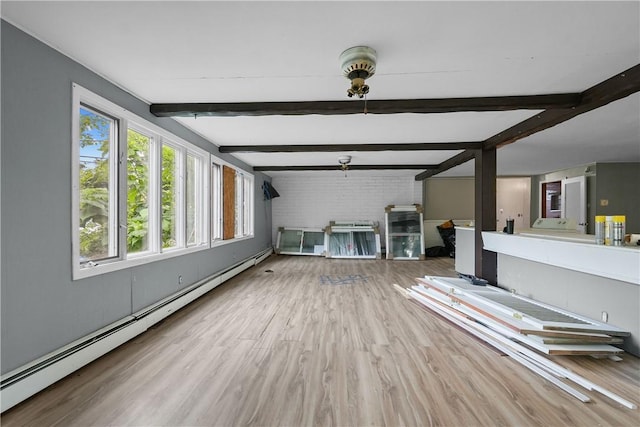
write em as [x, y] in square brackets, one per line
[281, 348]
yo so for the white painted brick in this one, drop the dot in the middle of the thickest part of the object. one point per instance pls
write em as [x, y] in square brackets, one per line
[313, 200]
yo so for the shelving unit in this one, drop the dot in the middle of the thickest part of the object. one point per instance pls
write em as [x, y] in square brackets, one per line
[300, 241]
[405, 232]
[353, 239]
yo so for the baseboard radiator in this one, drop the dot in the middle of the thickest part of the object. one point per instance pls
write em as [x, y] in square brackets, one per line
[24, 382]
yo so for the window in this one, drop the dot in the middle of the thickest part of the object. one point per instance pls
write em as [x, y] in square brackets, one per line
[247, 205]
[216, 201]
[196, 200]
[98, 198]
[231, 203]
[139, 192]
[239, 207]
[170, 196]
[139, 195]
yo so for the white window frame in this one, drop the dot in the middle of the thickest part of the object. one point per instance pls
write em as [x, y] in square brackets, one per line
[101, 106]
[180, 222]
[244, 197]
[239, 205]
[248, 204]
[201, 195]
[154, 217]
[216, 201]
[244, 204]
[126, 119]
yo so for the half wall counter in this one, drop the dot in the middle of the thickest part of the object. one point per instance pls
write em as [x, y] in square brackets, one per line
[570, 271]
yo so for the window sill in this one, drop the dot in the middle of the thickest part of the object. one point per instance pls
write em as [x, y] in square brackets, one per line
[107, 267]
[216, 243]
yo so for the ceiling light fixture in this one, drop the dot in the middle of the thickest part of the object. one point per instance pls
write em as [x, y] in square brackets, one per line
[358, 63]
[344, 163]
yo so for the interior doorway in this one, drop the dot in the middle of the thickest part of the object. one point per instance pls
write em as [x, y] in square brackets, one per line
[551, 200]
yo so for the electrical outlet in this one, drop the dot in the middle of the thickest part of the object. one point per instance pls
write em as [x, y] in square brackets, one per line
[179, 280]
[605, 316]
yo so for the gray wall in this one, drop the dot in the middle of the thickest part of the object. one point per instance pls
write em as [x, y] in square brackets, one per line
[615, 182]
[578, 292]
[42, 308]
[449, 198]
[618, 184]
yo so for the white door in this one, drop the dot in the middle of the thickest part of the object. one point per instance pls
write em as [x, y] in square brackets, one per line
[574, 201]
[513, 199]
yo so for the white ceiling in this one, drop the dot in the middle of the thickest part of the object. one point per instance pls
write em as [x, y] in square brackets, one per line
[210, 51]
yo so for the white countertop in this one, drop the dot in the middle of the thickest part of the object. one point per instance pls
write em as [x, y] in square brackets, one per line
[572, 251]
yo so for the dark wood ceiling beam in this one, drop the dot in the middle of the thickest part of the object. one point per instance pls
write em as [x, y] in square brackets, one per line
[320, 148]
[380, 106]
[337, 167]
[452, 162]
[617, 87]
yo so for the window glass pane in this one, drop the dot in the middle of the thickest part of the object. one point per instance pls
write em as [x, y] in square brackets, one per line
[340, 244]
[313, 242]
[192, 208]
[169, 197]
[138, 146]
[404, 222]
[290, 240]
[364, 243]
[239, 208]
[97, 185]
[247, 200]
[216, 201]
[406, 246]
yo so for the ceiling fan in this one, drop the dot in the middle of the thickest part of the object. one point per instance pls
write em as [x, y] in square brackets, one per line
[358, 63]
[344, 163]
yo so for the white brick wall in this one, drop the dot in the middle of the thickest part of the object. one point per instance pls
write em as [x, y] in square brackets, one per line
[314, 199]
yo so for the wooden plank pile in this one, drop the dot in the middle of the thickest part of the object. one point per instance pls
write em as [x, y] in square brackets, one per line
[522, 328]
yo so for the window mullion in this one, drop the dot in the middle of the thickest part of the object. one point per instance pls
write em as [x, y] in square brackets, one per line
[181, 199]
[216, 195]
[119, 170]
[204, 194]
[155, 183]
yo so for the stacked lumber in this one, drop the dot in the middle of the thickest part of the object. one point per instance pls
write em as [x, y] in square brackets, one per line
[522, 328]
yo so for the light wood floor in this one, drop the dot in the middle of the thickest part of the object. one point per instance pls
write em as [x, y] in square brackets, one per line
[282, 348]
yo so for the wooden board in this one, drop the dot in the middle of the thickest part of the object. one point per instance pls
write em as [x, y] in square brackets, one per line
[228, 202]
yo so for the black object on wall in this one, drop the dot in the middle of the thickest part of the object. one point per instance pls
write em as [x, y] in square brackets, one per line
[269, 191]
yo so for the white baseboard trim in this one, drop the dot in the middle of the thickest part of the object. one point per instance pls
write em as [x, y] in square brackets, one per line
[22, 383]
